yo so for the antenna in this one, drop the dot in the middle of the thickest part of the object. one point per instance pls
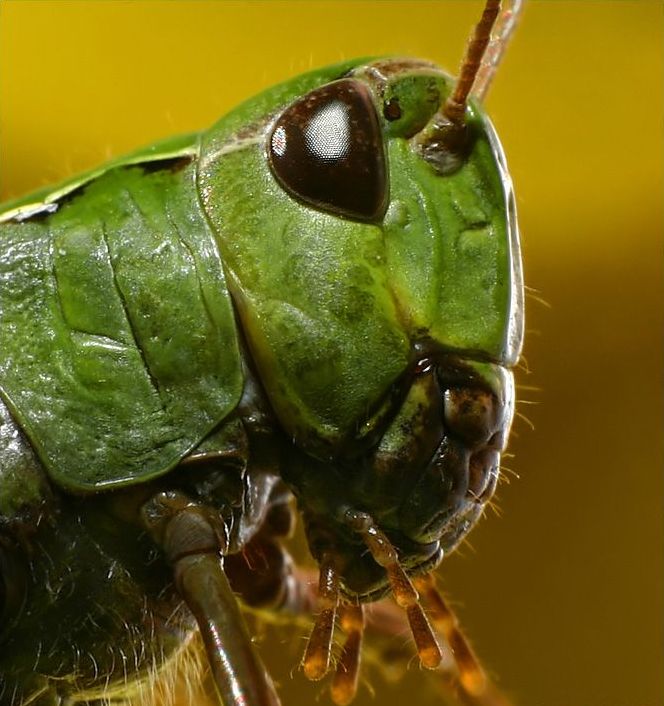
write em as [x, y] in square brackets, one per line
[445, 141]
[455, 105]
[502, 31]
[483, 55]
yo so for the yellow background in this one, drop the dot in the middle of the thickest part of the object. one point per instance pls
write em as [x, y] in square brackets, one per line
[562, 595]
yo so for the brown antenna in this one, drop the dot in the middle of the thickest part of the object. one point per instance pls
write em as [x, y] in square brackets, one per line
[455, 105]
[502, 33]
[446, 140]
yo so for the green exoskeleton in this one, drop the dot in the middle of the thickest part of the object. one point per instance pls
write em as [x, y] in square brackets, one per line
[319, 297]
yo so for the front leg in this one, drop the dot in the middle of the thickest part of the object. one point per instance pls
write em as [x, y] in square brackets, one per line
[194, 542]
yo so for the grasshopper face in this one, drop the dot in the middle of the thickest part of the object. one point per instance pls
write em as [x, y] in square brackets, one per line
[374, 251]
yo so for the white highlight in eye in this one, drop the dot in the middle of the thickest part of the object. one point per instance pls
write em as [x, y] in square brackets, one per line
[327, 134]
[279, 141]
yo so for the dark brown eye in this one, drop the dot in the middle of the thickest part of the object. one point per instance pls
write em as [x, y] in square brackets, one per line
[327, 150]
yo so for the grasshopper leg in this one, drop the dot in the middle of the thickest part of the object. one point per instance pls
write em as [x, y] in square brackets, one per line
[194, 542]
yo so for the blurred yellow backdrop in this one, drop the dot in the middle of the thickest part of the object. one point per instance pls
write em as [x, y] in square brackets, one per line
[562, 595]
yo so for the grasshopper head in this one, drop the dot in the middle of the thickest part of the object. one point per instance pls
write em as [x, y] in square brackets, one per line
[380, 240]
[375, 267]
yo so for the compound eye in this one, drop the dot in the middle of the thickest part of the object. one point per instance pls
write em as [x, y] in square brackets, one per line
[327, 151]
